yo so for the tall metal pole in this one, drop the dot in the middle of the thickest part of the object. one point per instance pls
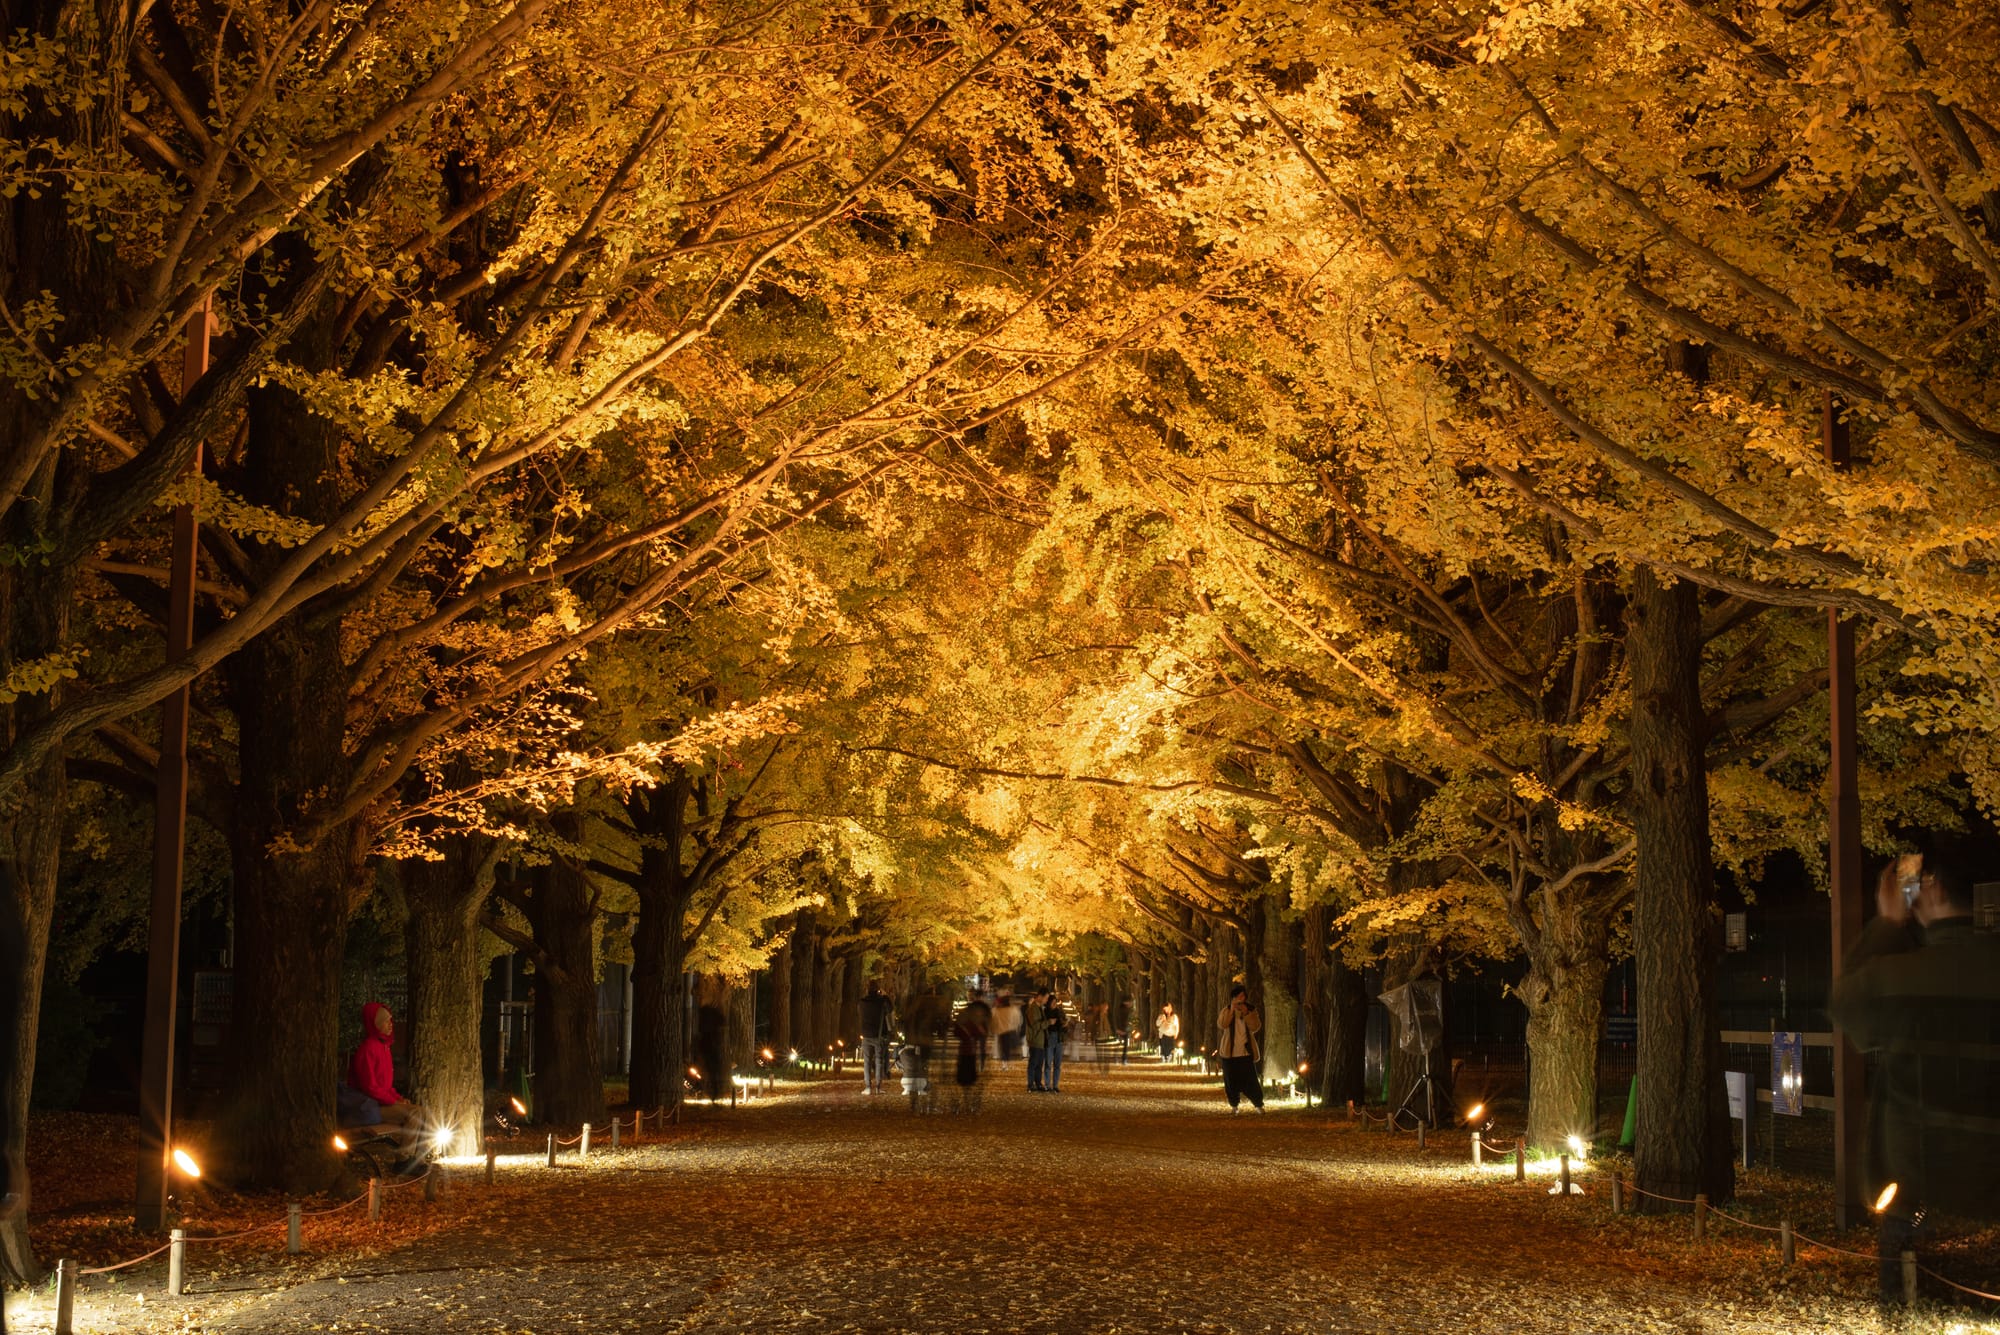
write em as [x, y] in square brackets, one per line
[1850, 1094]
[156, 1074]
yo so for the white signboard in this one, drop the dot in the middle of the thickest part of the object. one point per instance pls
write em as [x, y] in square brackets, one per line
[1739, 1094]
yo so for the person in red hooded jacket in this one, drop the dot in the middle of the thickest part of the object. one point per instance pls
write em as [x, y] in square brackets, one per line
[372, 1071]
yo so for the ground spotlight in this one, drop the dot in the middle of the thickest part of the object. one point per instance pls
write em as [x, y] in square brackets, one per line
[185, 1162]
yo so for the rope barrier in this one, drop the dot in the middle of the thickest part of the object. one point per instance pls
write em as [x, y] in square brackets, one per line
[231, 1237]
[1677, 1200]
[409, 1181]
[573, 1140]
[1829, 1247]
[333, 1209]
[1762, 1228]
[107, 1269]
[1954, 1284]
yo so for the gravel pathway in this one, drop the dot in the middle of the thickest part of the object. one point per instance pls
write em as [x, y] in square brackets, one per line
[1131, 1202]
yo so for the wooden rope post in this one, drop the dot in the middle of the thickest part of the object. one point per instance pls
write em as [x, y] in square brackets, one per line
[1618, 1193]
[374, 1200]
[433, 1181]
[1350, 1110]
[294, 1224]
[1521, 1159]
[65, 1296]
[1564, 1180]
[616, 1126]
[1788, 1246]
[177, 1244]
[1700, 1216]
[1478, 1149]
[491, 1155]
[552, 1149]
[1909, 1279]
[1420, 1135]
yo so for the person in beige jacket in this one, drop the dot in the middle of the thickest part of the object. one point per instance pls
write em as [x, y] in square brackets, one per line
[1238, 1026]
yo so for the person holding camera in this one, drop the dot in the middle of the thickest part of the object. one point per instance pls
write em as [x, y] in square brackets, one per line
[1920, 992]
[1239, 1024]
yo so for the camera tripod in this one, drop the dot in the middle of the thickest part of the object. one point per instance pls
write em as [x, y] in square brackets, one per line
[1425, 1088]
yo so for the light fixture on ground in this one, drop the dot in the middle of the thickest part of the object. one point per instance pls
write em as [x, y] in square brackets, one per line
[186, 1163]
[1885, 1199]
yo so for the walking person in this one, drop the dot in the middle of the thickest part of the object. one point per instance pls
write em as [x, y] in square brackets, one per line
[970, 1031]
[1168, 1027]
[1037, 1028]
[1236, 1043]
[1007, 1022]
[876, 1031]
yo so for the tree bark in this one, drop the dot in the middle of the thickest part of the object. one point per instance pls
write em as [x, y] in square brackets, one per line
[1682, 1144]
[569, 1068]
[1315, 927]
[847, 1028]
[1565, 1001]
[1346, 1057]
[743, 1024]
[34, 613]
[659, 964]
[32, 836]
[780, 970]
[1280, 968]
[291, 905]
[445, 952]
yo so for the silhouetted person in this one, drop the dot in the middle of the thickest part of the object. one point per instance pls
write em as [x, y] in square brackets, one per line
[876, 1032]
[1058, 1031]
[1236, 1043]
[970, 1030]
[1921, 991]
[1168, 1027]
[1038, 1043]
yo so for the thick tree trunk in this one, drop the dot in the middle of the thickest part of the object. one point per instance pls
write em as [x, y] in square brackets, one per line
[1565, 1001]
[569, 1069]
[47, 250]
[446, 955]
[780, 970]
[30, 845]
[743, 1024]
[804, 945]
[1281, 989]
[1346, 1056]
[1682, 1144]
[291, 933]
[848, 1027]
[289, 689]
[1314, 930]
[291, 902]
[659, 964]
